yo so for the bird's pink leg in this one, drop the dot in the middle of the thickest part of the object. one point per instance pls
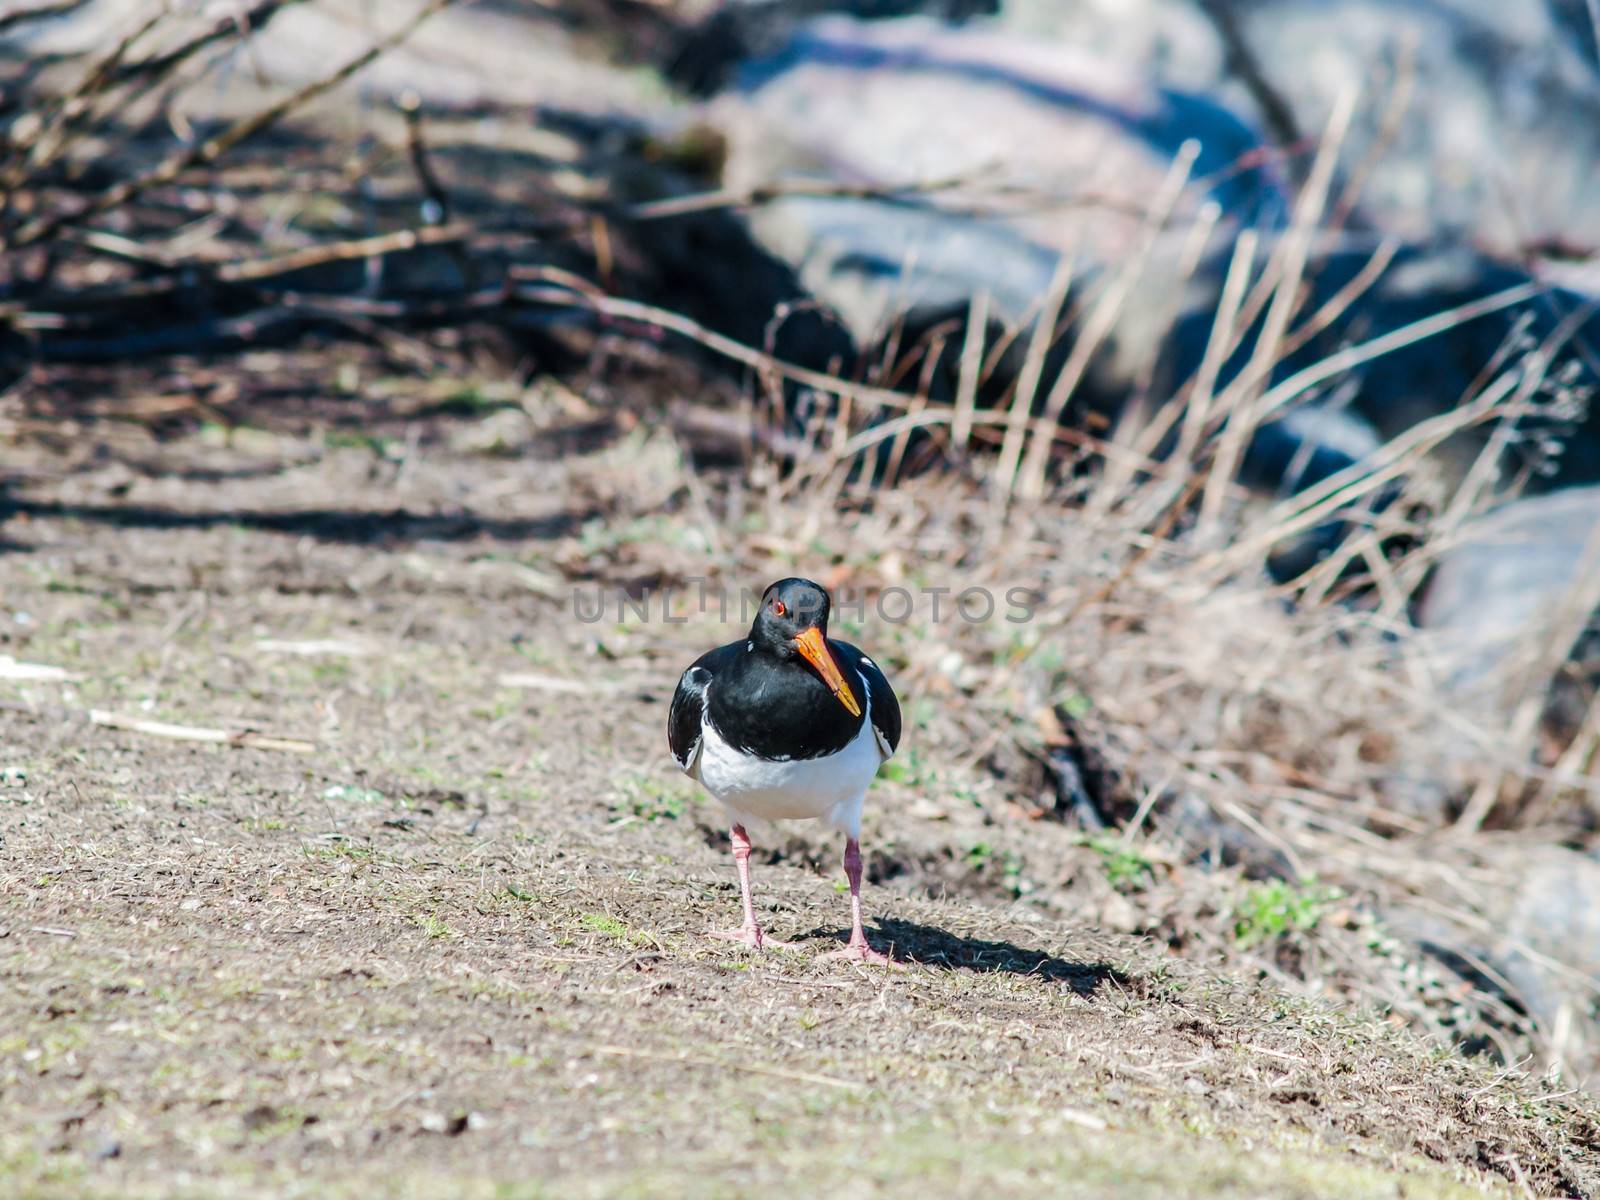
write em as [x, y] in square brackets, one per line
[750, 933]
[857, 949]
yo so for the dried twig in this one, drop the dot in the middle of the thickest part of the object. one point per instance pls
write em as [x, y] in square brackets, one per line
[244, 738]
[26, 672]
[233, 25]
[771, 193]
[1242, 61]
[37, 148]
[1027, 386]
[438, 211]
[208, 151]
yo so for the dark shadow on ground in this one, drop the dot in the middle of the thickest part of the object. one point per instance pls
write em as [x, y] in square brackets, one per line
[909, 941]
[390, 526]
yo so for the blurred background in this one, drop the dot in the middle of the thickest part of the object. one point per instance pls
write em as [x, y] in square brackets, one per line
[1258, 338]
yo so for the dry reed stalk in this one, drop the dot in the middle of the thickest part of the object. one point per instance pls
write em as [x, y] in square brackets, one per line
[897, 452]
[971, 365]
[1389, 126]
[243, 738]
[566, 293]
[1473, 493]
[1224, 331]
[1348, 359]
[1341, 301]
[1027, 385]
[1137, 429]
[1029, 481]
[1394, 459]
[1245, 413]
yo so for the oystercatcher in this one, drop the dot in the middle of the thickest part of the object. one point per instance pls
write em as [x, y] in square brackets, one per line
[787, 725]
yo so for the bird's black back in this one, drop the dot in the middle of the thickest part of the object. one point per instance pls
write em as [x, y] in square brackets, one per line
[776, 708]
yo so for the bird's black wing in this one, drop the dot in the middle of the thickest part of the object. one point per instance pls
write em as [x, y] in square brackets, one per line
[885, 709]
[688, 702]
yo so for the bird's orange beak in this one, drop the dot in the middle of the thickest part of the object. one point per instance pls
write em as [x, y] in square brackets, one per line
[815, 649]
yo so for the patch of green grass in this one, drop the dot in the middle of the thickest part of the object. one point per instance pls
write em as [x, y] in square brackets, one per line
[648, 798]
[606, 924]
[1269, 910]
[603, 537]
[1126, 868]
[1045, 654]
[379, 447]
[909, 768]
[981, 858]
[432, 926]
[342, 849]
[611, 927]
[471, 399]
[1076, 705]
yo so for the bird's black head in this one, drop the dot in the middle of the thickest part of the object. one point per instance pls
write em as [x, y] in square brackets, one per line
[794, 621]
[788, 608]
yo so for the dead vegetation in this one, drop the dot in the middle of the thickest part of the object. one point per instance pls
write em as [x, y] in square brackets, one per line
[458, 945]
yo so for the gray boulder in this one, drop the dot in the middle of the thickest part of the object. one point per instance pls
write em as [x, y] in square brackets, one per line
[1498, 592]
[1535, 943]
[1059, 152]
[1496, 145]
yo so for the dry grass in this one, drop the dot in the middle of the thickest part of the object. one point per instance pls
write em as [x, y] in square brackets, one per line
[459, 945]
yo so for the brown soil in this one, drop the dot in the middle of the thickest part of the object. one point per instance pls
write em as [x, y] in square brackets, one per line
[458, 948]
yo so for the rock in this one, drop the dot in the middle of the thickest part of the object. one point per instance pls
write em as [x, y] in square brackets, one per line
[465, 57]
[1486, 617]
[1539, 946]
[845, 102]
[709, 56]
[1433, 375]
[1497, 142]
[1502, 585]
[1118, 914]
[911, 102]
[1555, 914]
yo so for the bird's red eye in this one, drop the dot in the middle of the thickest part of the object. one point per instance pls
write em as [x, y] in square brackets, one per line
[779, 607]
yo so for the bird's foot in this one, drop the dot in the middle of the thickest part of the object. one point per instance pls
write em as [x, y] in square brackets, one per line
[751, 935]
[858, 951]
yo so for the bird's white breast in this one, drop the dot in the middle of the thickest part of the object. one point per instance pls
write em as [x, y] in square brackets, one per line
[831, 786]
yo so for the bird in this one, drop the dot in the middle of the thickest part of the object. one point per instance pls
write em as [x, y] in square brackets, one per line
[787, 724]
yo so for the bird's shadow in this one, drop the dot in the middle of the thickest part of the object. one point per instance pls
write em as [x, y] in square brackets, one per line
[910, 941]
